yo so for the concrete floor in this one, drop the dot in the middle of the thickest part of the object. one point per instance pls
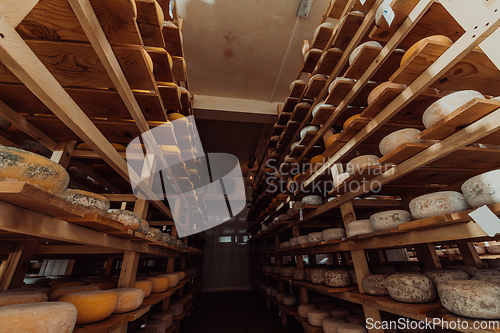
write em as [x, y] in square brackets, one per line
[235, 312]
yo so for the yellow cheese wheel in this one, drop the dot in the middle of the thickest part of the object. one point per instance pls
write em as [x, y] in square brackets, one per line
[58, 293]
[160, 284]
[331, 140]
[93, 203]
[92, 306]
[175, 116]
[130, 219]
[105, 285]
[318, 160]
[378, 90]
[437, 38]
[46, 317]
[282, 196]
[145, 285]
[129, 299]
[180, 275]
[117, 146]
[159, 14]
[173, 278]
[56, 284]
[350, 120]
[147, 58]
[21, 165]
[21, 297]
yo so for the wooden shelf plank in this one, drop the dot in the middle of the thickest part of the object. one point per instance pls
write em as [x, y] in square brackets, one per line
[97, 222]
[150, 22]
[328, 61]
[310, 61]
[322, 38]
[297, 89]
[290, 103]
[365, 59]
[401, 9]
[315, 86]
[300, 111]
[347, 29]
[389, 303]
[322, 115]
[173, 39]
[359, 178]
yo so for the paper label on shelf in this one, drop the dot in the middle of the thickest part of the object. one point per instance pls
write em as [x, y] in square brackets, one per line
[386, 12]
[290, 204]
[301, 215]
[487, 220]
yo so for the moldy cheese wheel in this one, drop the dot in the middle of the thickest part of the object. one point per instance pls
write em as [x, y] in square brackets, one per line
[411, 288]
[130, 219]
[92, 306]
[129, 299]
[93, 203]
[21, 297]
[145, 285]
[437, 203]
[160, 283]
[60, 292]
[359, 227]
[375, 284]
[177, 309]
[45, 317]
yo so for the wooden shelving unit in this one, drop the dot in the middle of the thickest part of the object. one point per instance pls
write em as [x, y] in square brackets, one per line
[459, 150]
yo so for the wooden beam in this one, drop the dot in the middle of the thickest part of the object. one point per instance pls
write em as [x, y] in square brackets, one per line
[129, 269]
[62, 153]
[161, 223]
[74, 249]
[119, 197]
[470, 255]
[13, 270]
[6, 142]
[16, 10]
[427, 254]
[94, 175]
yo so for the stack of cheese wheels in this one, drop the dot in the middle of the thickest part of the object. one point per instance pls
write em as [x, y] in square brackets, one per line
[333, 234]
[159, 283]
[411, 288]
[439, 276]
[446, 105]
[445, 202]
[337, 278]
[165, 316]
[21, 297]
[360, 162]
[60, 292]
[358, 50]
[92, 306]
[145, 285]
[471, 298]
[308, 129]
[375, 284]
[315, 317]
[91, 202]
[24, 166]
[415, 47]
[130, 219]
[45, 317]
[381, 88]
[398, 138]
[389, 219]
[483, 189]
[359, 227]
[177, 309]
[305, 308]
[129, 299]
[330, 324]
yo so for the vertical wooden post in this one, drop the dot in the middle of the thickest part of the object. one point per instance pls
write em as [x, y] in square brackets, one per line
[13, 270]
[110, 265]
[304, 299]
[427, 254]
[469, 254]
[62, 153]
[129, 269]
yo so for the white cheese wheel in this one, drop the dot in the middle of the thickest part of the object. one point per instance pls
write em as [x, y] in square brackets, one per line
[358, 49]
[389, 219]
[312, 200]
[129, 299]
[330, 324]
[446, 105]
[339, 179]
[315, 317]
[287, 271]
[444, 202]
[440, 275]
[293, 242]
[358, 319]
[483, 189]
[289, 300]
[338, 81]
[305, 308]
[296, 82]
[375, 284]
[92, 306]
[361, 162]
[396, 139]
[337, 279]
[177, 309]
[165, 316]
[411, 288]
[351, 328]
[333, 234]
[486, 272]
[46, 317]
[24, 166]
[320, 106]
[315, 237]
[318, 275]
[159, 284]
[378, 90]
[279, 296]
[306, 129]
[327, 25]
[60, 292]
[471, 298]
[299, 275]
[359, 227]
[339, 313]
[303, 240]
[483, 250]
[21, 297]
[145, 285]
[130, 219]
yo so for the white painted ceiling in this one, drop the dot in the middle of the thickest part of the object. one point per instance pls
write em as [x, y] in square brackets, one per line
[235, 48]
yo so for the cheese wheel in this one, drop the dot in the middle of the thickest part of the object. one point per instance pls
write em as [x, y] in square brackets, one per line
[318, 275]
[165, 316]
[338, 81]
[155, 233]
[144, 227]
[24, 166]
[165, 238]
[286, 245]
[93, 203]
[293, 242]
[350, 120]
[307, 129]
[378, 90]
[305, 308]
[130, 219]
[312, 200]
[352, 275]
[351, 328]
[359, 227]
[295, 144]
[129, 299]
[411, 288]
[358, 49]
[287, 271]
[467, 269]
[289, 300]
[375, 284]
[360, 162]
[330, 324]
[339, 179]
[46, 317]
[337, 278]
[483, 189]
[176, 116]
[486, 272]
[398, 138]
[446, 105]
[320, 106]
[483, 250]
[439, 276]
[493, 249]
[314, 237]
[20, 297]
[358, 319]
[60, 292]
[159, 284]
[331, 140]
[471, 298]
[177, 309]
[154, 326]
[318, 161]
[92, 306]
[389, 219]
[315, 317]
[145, 285]
[180, 275]
[339, 313]
[303, 240]
[333, 234]
[292, 85]
[437, 38]
[299, 275]
[327, 25]
[437, 203]
[174, 279]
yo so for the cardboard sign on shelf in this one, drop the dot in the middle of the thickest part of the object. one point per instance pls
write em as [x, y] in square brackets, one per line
[487, 220]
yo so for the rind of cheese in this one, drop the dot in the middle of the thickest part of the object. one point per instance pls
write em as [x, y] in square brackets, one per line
[315, 317]
[145, 285]
[21, 297]
[129, 299]
[437, 203]
[359, 227]
[411, 288]
[397, 138]
[130, 219]
[483, 189]
[437, 38]
[305, 308]
[44, 317]
[160, 283]
[360, 162]
[375, 284]
[60, 292]
[93, 203]
[337, 278]
[24, 166]
[155, 233]
[92, 306]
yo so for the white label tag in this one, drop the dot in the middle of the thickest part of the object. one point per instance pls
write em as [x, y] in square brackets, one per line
[362, 2]
[290, 204]
[385, 11]
[487, 220]
[301, 215]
